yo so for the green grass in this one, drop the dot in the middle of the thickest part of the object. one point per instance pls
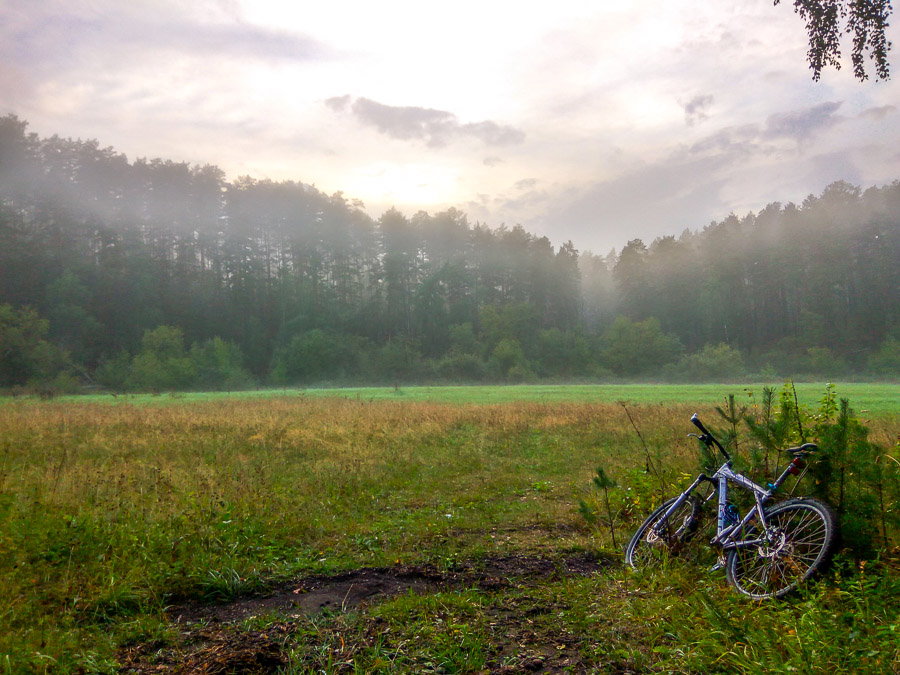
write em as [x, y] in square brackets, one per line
[613, 623]
[111, 512]
[867, 398]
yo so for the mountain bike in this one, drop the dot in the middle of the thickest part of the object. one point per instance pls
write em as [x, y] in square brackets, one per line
[766, 552]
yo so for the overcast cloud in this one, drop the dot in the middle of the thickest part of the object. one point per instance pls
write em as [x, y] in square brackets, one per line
[436, 127]
[578, 120]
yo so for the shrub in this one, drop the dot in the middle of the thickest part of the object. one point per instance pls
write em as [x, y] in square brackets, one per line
[218, 365]
[461, 368]
[636, 347]
[563, 353]
[849, 472]
[508, 362]
[400, 360]
[316, 355]
[823, 362]
[162, 362]
[25, 356]
[886, 361]
[115, 373]
[713, 363]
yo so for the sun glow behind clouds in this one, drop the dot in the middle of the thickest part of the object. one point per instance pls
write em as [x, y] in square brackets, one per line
[420, 184]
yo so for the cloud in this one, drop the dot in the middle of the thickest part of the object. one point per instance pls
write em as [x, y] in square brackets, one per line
[654, 200]
[55, 37]
[436, 127]
[878, 113]
[743, 139]
[801, 124]
[492, 161]
[238, 40]
[528, 201]
[695, 110]
[338, 103]
[841, 165]
[526, 183]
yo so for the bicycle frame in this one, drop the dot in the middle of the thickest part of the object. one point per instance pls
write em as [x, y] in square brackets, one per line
[766, 552]
[725, 533]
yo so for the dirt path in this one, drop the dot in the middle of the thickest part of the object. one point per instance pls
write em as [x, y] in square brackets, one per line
[342, 592]
[210, 641]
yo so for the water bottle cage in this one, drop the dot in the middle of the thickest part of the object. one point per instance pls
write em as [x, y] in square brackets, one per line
[731, 514]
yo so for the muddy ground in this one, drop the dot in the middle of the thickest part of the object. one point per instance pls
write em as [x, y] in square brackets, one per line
[213, 639]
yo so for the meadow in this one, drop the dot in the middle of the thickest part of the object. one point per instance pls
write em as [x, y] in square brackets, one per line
[116, 514]
[877, 399]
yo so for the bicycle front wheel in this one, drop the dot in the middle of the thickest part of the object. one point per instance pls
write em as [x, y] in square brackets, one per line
[798, 539]
[659, 538]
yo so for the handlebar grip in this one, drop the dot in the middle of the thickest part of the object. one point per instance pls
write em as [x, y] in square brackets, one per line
[708, 438]
[699, 424]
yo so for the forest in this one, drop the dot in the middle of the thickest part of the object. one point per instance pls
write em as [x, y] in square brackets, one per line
[158, 275]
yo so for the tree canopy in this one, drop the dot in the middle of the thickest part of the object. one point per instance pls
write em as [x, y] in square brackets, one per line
[157, 275]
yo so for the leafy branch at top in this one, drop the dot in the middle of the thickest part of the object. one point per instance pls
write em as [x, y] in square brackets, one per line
[865, 20]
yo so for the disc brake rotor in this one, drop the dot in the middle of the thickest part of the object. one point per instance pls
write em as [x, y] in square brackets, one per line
[776, 545]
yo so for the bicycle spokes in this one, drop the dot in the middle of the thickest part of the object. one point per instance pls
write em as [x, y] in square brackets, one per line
[795, 543]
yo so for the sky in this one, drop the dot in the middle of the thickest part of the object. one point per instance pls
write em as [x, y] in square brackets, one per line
[585, 120]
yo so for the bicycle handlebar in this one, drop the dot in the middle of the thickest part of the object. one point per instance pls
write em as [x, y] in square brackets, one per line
[699, 424]
[707, 437]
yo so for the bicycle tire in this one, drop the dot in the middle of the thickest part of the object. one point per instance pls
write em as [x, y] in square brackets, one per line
[802, 533]
[649, 548]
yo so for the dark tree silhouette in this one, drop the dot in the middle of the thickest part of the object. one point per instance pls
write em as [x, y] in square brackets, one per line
[865, 20]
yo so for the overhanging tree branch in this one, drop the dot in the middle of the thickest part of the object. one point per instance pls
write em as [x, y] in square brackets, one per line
[865, 20]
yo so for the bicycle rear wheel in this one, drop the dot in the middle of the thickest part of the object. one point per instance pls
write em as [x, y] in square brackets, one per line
[799, 538]
[659, 538]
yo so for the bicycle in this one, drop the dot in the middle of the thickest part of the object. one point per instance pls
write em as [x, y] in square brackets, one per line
[767, 552]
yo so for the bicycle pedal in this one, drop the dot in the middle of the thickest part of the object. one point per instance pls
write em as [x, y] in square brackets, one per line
[720, 563]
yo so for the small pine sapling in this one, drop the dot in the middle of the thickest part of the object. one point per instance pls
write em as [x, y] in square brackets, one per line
[602, 482]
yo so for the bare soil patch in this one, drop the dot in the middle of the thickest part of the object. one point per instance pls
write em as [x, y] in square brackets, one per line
[349, 590]
[210, 639]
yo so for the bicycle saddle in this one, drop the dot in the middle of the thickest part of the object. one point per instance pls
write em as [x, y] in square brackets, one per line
[804, 449]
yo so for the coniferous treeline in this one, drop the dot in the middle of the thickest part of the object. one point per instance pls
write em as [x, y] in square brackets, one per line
[154, 274]
[812, 288]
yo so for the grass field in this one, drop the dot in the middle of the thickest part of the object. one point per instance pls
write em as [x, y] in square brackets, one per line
[868, 398]
[116, 512]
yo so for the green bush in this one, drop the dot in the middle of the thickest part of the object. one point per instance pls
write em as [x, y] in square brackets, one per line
[713, 363]
[886, 361]
[26, 358]
[219, 365]
[463, 339]
[823, 362]
[508, 362]
[163, 362]
[638, 347]
[115, 373]
[316, 355]
[461, 368]
[400, 360]
[858, 478]
[563, 354]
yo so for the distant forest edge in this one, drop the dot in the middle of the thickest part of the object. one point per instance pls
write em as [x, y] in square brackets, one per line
[157, 275]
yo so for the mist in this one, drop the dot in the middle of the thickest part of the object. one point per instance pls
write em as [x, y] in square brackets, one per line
[158, 275]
